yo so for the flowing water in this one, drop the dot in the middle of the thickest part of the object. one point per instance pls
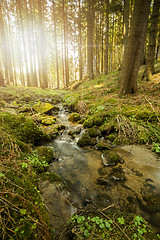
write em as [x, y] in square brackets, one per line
[80, 169]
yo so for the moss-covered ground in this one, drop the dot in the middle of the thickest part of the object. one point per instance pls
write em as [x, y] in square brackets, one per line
[23, 163]
[130, 119]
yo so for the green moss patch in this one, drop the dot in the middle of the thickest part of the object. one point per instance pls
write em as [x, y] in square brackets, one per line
[22, 128]
[86, 140]
[74, 117]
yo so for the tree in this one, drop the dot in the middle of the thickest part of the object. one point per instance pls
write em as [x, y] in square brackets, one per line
[80, 40]
[55, 43]
[149, 68]
[136, 38]
[126, 23]
[107, 36]
[65, 44]
[90, 34]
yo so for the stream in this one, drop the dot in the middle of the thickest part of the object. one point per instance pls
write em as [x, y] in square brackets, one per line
[91, 185]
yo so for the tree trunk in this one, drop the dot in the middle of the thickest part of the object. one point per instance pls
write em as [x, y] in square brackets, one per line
[106, 37]
[55, 44]
[80, 41]
[136, 38]
[149, 68]
[126, 23]
[90, 34]
[65, 46]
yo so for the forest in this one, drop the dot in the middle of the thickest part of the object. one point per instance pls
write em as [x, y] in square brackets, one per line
[79, 119]
[51, 44]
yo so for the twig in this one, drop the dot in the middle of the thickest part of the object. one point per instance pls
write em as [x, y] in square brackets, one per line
[107, 207]
[115, 224]
[152, 108]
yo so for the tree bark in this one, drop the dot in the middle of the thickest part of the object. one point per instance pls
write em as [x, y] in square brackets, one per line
[136, 38]
[149, 68]
[55, 44]
[90, 34]
[80, 41]
[126, 23]
[106, 37]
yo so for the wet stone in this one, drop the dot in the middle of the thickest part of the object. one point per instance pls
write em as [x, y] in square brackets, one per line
[111, 158]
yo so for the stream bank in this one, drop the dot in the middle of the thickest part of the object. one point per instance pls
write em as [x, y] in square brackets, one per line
[131, 185]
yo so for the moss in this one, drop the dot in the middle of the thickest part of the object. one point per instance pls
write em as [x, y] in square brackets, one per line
[45, 153]
[102, 146]
[86, 140]
[88, 123]
[48, 120]
[93, 132]
[111, 158]
[74, 117]
[52, 131]
[43, 108]
[25, 148]
[111, 137]
[104, 129]
[51, 177]
[97, 120]
[22, 128]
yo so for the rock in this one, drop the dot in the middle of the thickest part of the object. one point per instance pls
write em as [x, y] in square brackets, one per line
[97, 120]
[111, 158]
[43, 108]
[45, 153]
[52, 131]
[88, 123]
[93, 132]
[104, 181]
[117, 175]
[86, 140]
[74, 117]
[102, 146]
[48, 120]
[151, 196]
[24, 129]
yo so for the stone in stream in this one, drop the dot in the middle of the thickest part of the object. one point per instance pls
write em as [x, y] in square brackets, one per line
[111, 158]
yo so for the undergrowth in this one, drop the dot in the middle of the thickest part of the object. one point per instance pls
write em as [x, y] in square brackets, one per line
[22, 212]
[114, 227]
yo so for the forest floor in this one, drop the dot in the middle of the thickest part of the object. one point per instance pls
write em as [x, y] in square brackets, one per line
[26, 122]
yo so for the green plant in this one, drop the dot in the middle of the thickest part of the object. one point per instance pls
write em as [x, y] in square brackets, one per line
[156, 147]
[120, 227]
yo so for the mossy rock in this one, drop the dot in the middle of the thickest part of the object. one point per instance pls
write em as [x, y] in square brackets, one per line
[117, 175]
[74, 117]
[48, 120]
[43, 108]
[86, 140]
[102, 146]
[93, 132]
[52, 131]
[97, 120]
[111, 158]
[88, 123]
[24, 129]
[45, 153]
